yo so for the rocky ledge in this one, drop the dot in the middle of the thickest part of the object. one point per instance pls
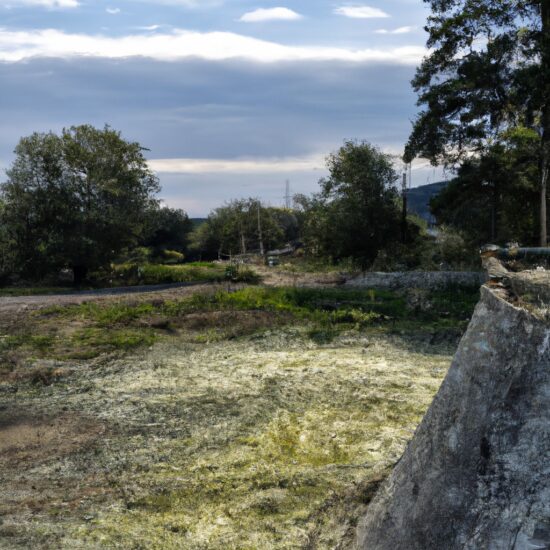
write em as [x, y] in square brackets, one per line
[477, 473]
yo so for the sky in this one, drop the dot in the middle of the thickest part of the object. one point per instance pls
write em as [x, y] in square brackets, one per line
[231, 98]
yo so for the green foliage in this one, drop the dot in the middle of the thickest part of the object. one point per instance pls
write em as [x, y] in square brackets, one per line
[326, 307]
[482, 201]
[91, 341]
[167, 234]
[90, 329]
[356, 214]
[173, 256]
[235, 229]
[487, 77]
[108, 316]
[153, 274]
[480, 76]
[75, 200]
[241, 274]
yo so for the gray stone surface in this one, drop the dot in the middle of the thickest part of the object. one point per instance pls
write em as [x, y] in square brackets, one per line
[429, 280]
[531, 286]
[477, 473]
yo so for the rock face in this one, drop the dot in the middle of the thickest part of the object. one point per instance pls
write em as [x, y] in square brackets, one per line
[477, 473]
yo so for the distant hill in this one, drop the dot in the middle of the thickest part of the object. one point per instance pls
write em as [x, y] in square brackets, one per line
[418, 198]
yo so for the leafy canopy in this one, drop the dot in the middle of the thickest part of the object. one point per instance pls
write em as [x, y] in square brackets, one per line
[75, 200]
[487, 71]
[356, 214]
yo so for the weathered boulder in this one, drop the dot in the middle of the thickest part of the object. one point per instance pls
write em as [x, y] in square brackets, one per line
[477, 473]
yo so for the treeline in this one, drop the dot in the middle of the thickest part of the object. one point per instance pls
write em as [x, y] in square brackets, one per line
[86, 198]
[355, 215]
[244, 226]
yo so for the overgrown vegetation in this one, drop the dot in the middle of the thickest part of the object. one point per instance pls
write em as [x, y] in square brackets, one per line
[91, 329]
[153, 274]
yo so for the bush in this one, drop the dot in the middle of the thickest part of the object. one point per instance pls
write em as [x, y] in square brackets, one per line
[172, 257]
[454, 250]
[241, 274]
[153, 274]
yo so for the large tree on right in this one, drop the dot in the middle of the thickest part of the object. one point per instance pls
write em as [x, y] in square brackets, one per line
[488, 71]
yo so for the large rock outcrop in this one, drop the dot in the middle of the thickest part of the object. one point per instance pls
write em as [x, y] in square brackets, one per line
[477, 473]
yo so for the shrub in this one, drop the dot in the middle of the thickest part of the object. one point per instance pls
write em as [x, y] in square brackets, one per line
[172, 257]
[152, 274]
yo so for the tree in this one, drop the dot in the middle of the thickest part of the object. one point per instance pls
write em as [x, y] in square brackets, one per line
[239, 227]
[167, 229]
[75, 200]
[356, 214]
[488, 71]
[486, 212]
[6, 248]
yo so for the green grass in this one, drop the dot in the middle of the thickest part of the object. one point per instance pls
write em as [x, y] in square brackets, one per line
[359, 308]
[314, 265]
[40, 343]
[90, 341]
[214, 316]
[153, 274]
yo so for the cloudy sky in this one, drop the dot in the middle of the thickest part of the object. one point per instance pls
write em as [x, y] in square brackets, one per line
[231, 97]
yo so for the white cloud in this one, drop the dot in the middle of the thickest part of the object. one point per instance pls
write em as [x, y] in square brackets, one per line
[237, 166]
[400, 30]
[193, 4]
[360, 12]
[270, 14]
[149, 28]
[112, 11]
[180, 44]
[51, 4]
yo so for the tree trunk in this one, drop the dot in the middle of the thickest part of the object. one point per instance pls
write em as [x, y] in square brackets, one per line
[494, 213]
[545, 117]
[543, 185]
[243, 243]
[79, 274]
[260, 236]
[404, 211]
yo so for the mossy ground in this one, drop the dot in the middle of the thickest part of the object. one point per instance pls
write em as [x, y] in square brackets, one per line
[231, 427]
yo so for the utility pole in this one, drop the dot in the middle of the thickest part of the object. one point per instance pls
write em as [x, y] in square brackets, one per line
[404, 213]
[262, 250]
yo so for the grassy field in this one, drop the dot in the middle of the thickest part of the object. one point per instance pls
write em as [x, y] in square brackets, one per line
[258, 418]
